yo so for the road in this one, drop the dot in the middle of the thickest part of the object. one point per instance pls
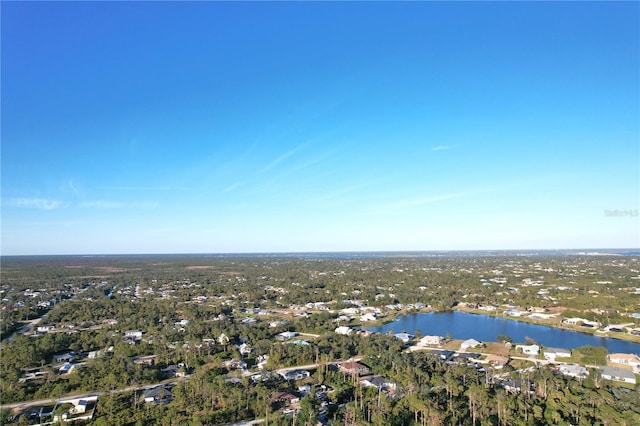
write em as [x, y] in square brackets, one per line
[282, 371]
[247, 422]
[24, 404]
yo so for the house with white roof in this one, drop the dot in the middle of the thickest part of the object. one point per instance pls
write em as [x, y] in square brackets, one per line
[405, 337]
[529, 349]
[469, 343]
[345, 331]
[286, 335]
[573, 370]
[369, 316]
[631, 360]
[430, 340]
[552, 353]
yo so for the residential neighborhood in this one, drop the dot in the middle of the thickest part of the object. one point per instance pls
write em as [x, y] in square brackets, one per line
[150, 339]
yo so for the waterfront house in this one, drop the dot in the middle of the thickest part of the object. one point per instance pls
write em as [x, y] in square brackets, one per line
[405, 337]
[552, 353]
[469, 343]
[430, 340]
[370, 316]
[529, 349]
[345, 331]
[630, 360]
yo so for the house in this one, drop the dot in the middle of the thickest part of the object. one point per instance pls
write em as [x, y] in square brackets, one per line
[95, 354]
[443, 355]
[370, 316]
[529, 349]
[552, 353]
[148, 360]
[65, 357]
[379, 382]
[465, 358]
[353, 368]
[133, 334]
[262, 361]
[181, 324]
[235, 364]
[45, 328]
[80, 409]
[469, 343]
[284, 398]
[223, 339]
[295, 374]
[497, 361]
[286, 335]
[175, 370]
[430, 340]
[405, 337]
[631, 360]
[245, 349]
[514, 385]
[574, 370]
[66, 368]
[299, 342]
[345, 331]
[618, 374]
[157, 395]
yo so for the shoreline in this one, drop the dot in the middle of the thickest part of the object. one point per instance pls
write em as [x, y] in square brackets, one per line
[392, 317]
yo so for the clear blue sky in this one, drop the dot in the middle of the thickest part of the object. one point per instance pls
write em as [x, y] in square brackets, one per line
[329, 126]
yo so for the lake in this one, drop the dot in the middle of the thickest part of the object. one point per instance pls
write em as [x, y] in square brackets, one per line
[463, 325]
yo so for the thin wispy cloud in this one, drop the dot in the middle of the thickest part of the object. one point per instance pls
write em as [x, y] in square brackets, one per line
[146, 188]
[413, 202]
[233, 186]
[101, 204]
[444, 147]
[339, 193]
[73, 188]
[318, 159]
[36, 203]
[283, 157]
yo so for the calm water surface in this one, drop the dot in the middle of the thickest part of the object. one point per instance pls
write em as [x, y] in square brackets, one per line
[463, 325]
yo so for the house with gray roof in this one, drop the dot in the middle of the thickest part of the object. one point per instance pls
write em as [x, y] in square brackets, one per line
[618, 374]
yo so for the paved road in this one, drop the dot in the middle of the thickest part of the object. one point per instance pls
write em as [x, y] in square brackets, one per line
[312, 366]
[247, 422]
[24, 404]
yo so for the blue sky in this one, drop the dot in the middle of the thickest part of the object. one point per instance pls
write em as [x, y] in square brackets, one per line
[329, 126]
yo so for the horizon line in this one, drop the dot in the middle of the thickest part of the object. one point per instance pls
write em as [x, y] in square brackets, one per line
[258, 253]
